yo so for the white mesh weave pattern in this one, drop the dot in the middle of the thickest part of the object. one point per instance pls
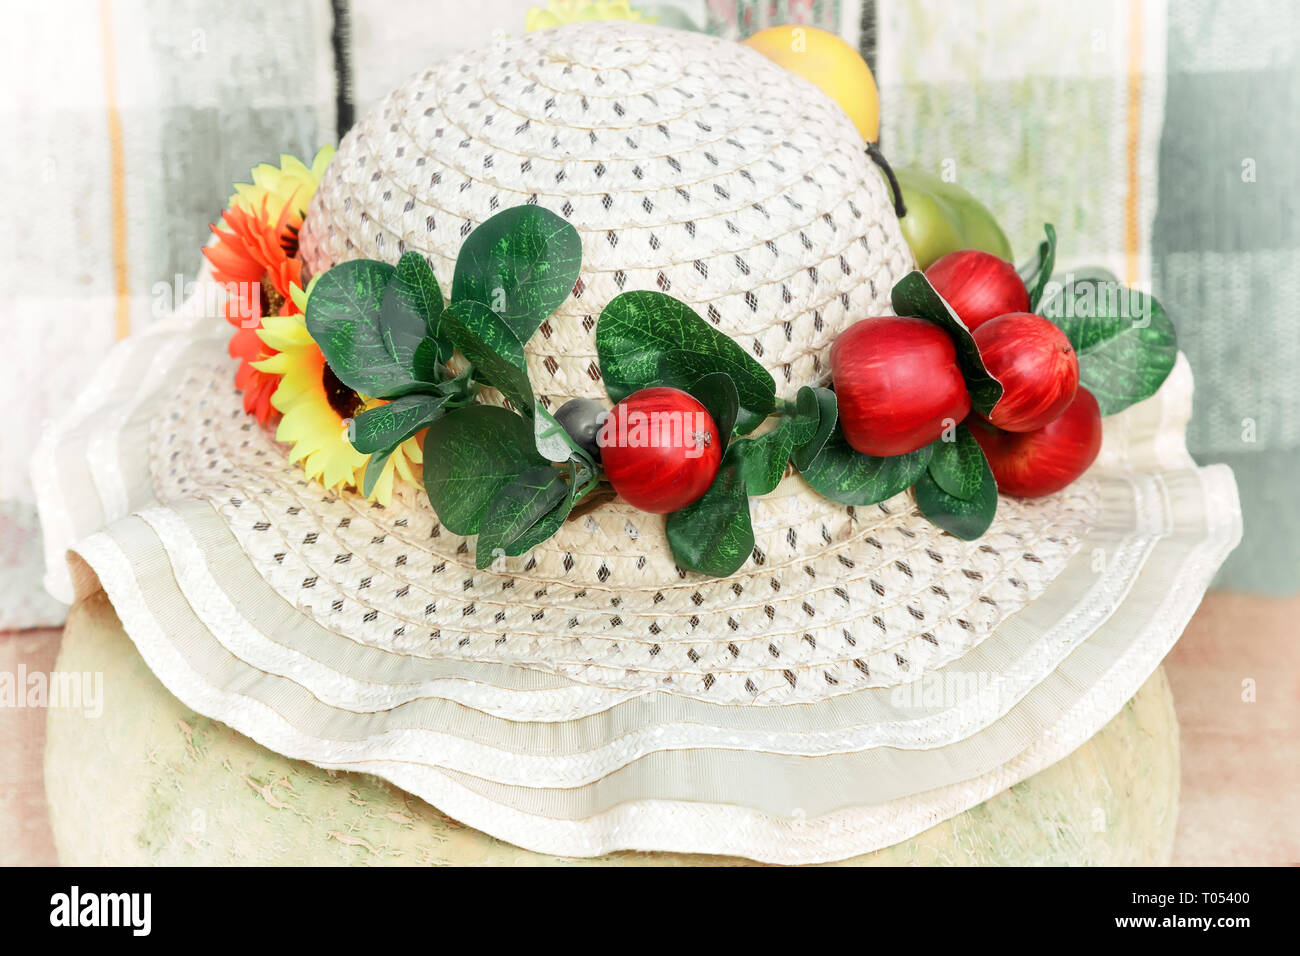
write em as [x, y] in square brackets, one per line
[687, 164]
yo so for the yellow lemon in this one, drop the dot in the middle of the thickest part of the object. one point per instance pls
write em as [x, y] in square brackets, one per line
[826, 60]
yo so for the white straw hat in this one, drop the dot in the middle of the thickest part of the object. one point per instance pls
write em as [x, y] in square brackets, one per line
[861, 677]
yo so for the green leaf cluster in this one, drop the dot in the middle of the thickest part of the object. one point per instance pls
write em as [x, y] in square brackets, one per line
[956, 490]
[387, 332]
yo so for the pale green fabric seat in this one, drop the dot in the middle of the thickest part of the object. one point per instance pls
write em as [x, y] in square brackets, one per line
[172, 787]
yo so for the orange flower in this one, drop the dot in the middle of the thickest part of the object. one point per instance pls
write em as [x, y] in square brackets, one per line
[255, 259]
[257, 386]
[252, 248]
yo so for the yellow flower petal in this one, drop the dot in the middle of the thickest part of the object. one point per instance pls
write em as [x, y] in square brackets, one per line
[283, 332]
[290, 182]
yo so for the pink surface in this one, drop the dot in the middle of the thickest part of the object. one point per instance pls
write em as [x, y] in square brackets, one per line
[25, 837]
[1240, 801]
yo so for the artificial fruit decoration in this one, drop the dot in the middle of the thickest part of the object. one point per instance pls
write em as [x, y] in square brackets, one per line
[829, 62]
[898, 384]
[582, 418]
[660, 449]
[1037, 463]
[942, 217]
[978, 285]
[1036, 365]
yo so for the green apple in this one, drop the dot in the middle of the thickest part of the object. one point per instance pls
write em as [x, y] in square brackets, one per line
[942, 217]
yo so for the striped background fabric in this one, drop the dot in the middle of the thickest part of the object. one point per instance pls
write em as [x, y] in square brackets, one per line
[1155, 134]
[1223, 246]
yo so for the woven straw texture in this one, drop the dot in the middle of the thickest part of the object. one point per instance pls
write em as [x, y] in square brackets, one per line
[860, 679]
[688, 164]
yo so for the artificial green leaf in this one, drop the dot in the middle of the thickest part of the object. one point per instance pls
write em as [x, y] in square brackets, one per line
[716, 391]
[553, 442]
[545, 527]
[679, 368]
[427, 359]
[409, 313]
[914, 296]
[471, 453]
[762, 459]
[713, 535]
[488, 329]
[962, 518]
[1124, 340]
[375, 468]
[828, 412]
[553, 520]
[807, 414]
[516, 508]
[460, 389]
[959, 466]
[1038, 271]
[387, 426]
[343, 317]
[637, 328]
[522, 263]
[496, 353]
[840, 473]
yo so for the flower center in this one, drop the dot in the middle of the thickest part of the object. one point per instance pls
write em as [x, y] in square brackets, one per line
[272, 301]
[341, 398]
[289, 240]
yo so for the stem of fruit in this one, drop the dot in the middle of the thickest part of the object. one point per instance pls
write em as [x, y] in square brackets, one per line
[877, 157]
[592, 483]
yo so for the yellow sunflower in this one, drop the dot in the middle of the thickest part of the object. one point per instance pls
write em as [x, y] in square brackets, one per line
[291, 183]
[316, 409]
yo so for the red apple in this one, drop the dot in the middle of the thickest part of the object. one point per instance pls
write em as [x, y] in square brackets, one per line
[660, 449]
[978, 285]
[1037, 463]
[1036, 365]
[898, 384]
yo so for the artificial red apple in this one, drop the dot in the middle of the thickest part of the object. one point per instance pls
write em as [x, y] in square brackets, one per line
[978, 285]
[1036, 365]
[1037, 463]
[898, 384]
[660, 449]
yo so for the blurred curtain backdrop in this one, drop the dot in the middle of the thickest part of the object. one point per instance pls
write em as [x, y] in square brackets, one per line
[1155, 134]
[130, 119]
[1224, 236]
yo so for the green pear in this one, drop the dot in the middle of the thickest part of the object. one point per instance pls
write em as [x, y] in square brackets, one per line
[942, 217]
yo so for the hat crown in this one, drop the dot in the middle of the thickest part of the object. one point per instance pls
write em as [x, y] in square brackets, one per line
[688, 164]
